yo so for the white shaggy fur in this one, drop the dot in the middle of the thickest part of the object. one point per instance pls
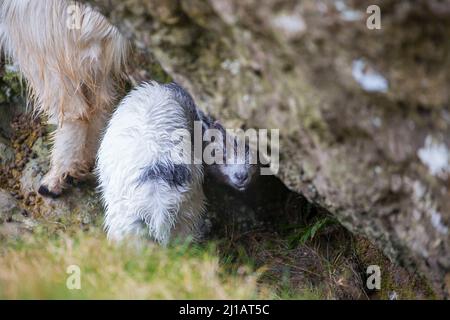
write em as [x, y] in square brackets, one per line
[70, 74]
[137, 137]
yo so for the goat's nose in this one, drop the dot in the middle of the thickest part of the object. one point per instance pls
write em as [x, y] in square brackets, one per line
[241, 176]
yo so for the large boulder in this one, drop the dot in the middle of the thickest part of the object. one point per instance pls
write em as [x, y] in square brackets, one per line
[363, 113]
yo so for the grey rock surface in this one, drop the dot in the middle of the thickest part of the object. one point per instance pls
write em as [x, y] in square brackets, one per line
[363, 114]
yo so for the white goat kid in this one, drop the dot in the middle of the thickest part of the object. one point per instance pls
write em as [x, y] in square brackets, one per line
[147, 189]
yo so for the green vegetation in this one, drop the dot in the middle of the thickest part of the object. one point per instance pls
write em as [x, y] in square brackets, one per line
[308, 232]
[303, 264]
[10, 86]
[36, 267]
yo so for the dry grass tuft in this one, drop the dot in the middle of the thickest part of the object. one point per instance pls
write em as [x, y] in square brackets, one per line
[37, 270]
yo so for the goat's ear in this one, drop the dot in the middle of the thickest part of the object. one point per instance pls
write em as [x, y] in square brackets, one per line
[206, 121]
[217, 125]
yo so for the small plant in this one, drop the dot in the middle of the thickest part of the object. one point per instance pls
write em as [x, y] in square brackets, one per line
[307, 233]
[11, 85]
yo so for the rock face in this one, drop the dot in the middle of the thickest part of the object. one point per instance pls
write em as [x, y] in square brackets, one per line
[363, 116]
[24, 159]
[363, 113]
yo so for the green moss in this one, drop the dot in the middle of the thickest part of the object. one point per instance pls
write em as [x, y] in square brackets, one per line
[393, 278]
[158, 73]
[11, 86]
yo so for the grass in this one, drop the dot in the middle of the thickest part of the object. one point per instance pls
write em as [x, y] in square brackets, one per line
[259, 265]
[309, 231]
[316, 260]
[35, 266]
[37, 269]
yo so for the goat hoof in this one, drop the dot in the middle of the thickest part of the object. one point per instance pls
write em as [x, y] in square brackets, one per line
[44, 191]
[70, 180]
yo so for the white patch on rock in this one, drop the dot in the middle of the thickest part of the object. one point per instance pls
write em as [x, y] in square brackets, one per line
[419, 189]
[436, 157]
[377, 122]
[226, 10]
[291, 25]
[393, 295]
[234, 67]
[347, 13]
[369, 79]
[417, 215]
[446, 115]
[378, 170]
[424, 203]
[436, 221]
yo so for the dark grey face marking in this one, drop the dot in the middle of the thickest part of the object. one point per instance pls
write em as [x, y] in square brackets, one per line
[238, 176]
[176, 175]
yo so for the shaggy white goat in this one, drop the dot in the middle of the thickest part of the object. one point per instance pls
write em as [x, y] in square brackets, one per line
[70, 55]
[148, 187]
